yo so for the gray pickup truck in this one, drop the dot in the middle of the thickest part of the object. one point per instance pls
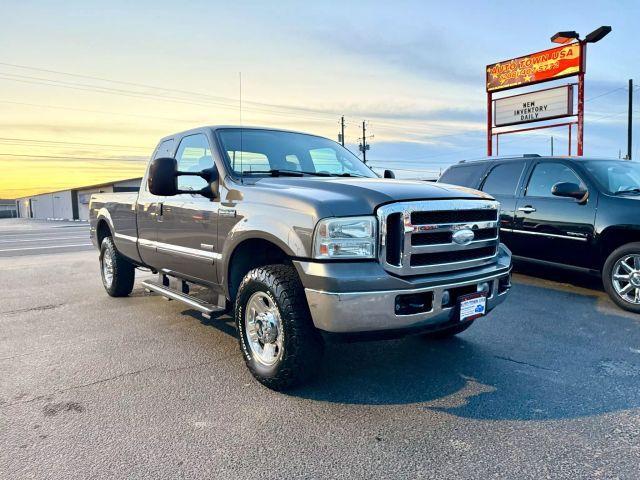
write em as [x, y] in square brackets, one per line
[301, 240]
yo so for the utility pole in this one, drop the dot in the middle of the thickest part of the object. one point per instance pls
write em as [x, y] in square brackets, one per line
[630, 120]
[552, 145]
[364, 146]
[341, 134]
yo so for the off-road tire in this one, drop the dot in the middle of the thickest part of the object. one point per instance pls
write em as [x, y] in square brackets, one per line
[124, 272]
[302, 343]
[448, 332]
[629, 248]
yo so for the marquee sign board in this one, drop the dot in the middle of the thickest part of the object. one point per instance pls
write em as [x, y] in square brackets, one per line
[534, 106]
[537, 67]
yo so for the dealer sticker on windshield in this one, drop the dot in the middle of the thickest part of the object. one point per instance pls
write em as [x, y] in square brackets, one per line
[472, 306]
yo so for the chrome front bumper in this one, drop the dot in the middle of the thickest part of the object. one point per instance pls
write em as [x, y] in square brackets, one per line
[375, 310]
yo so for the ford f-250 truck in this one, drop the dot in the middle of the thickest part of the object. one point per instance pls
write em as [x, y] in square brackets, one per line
[301, 240]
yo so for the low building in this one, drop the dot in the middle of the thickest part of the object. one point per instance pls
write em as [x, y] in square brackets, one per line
[8, 208]
[70, 204]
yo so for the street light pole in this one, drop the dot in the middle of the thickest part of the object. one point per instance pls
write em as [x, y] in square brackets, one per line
[593, 37]
[630, 120]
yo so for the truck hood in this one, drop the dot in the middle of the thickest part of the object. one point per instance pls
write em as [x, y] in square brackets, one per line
[343, 196]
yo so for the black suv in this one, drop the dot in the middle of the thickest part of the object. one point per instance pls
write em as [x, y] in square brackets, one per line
[572, 212]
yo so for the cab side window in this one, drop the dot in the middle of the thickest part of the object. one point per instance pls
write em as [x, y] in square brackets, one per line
[165, 149]
[503, 179]
[194, 155]
[545, 175]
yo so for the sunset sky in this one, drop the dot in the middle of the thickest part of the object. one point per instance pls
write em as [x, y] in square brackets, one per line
[87, 88]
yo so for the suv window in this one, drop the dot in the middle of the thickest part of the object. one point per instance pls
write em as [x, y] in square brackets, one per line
[464, 175]
[194, 155]
[503, 179]
[545, 175]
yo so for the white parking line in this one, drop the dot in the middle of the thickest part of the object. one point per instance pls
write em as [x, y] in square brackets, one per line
[44, 248]
[42, 232]
[19, 240]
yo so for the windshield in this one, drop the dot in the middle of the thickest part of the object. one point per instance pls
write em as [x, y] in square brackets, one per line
[258, 152]
[615, 176]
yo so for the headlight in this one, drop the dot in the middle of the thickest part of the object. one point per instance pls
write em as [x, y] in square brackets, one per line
[346, 237]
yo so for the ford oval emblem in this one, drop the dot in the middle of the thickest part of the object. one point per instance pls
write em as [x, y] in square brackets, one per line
[463, 237]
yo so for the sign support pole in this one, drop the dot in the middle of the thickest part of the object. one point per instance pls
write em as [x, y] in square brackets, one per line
[583, 59]
[489, 124]
[569, 139]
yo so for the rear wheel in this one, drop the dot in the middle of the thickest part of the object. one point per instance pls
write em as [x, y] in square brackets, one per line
[448, 332]
[118, 274]
[621, 276]
[281, 347]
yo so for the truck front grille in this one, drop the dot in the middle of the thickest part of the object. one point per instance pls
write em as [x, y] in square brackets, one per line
[418, 237]
[437, 258]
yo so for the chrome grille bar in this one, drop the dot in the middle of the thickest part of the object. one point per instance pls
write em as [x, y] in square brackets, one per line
[452, 213]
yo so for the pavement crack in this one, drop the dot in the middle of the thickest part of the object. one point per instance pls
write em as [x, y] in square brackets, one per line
[17, 356]
[76, 387]
[525, 363]
[188, 367]
[32, 309]
[104, 380]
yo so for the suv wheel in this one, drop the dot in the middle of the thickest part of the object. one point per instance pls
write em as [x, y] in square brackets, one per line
[621, 276]
[118, 274]
[279, 343]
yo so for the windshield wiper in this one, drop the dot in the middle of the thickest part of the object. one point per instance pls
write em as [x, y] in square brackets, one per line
[630, 190]
[347, 174]
[277, 172]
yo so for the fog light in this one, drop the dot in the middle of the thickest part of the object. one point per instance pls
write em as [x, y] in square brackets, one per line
[446, 298]
[484, 287]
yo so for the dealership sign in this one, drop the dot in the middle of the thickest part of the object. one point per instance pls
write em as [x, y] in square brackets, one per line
[538, 67]
[534, 106]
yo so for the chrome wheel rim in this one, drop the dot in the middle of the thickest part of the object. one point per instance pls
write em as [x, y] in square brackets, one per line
[625, 278]
[107, 269]
[263, 328]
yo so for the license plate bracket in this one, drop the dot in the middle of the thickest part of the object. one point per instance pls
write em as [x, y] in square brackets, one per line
[472, 306]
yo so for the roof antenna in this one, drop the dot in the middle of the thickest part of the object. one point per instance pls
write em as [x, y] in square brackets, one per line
[241, 170]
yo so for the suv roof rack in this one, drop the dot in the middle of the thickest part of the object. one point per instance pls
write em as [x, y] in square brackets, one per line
[486, 159]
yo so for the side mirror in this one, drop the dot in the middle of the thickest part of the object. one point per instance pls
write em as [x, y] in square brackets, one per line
[389, 174]
[163, 177]
[568, 189]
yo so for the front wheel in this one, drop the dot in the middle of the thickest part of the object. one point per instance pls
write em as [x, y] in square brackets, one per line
[118, 274]
[279, 343]
[621, 276]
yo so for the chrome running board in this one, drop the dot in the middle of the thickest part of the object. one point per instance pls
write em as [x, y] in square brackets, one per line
[207, 309]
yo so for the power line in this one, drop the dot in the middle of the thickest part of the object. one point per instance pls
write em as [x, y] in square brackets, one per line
[54, 157]
[228, 104]
[59, 107]
[35, 141]
[605, 93]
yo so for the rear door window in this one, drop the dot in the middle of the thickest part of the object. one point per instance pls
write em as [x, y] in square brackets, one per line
[464, 175]
[503, 179]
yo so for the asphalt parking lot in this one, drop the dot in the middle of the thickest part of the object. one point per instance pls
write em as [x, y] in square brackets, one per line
[547, 386]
